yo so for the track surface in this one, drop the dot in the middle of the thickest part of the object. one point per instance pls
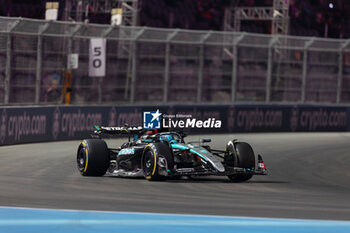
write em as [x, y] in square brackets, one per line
[308, 178]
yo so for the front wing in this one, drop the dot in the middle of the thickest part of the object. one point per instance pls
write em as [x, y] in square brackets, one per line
[201, 171]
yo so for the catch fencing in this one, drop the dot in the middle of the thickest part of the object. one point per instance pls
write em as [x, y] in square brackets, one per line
[153, 65]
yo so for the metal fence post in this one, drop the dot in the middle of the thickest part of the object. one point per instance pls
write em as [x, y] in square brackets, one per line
[303, 83]
[234, 66]
[201, 66]
[340, 70]
[133, 73]
[8, 68]
[100, 79]
[167, 65]
[70, 40]
[269, 68]
[8, 63]
[133, 68]
[42, 29]
[70, 50]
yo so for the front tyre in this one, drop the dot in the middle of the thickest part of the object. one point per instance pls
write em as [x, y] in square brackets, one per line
[93, 157]
[244, 157]
[157, 160]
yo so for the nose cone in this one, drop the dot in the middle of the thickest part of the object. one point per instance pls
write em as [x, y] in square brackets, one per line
[209, 157]
[219, 166]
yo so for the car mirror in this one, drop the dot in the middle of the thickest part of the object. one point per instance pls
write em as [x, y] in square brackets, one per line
[206, 140]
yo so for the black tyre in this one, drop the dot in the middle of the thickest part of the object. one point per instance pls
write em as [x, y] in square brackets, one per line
[156, 160]
[244, 158]
[93, 157]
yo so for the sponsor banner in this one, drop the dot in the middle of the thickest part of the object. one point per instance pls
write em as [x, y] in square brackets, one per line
[119, 116]
[75, 122]
[257, 118]
[348, 122]
[39, 124]
[23, 125]
[313, 118]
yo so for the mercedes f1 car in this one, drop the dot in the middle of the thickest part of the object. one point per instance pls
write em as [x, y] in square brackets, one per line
[162, 155]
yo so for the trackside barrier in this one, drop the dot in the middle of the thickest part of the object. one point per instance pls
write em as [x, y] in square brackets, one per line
[41, 124]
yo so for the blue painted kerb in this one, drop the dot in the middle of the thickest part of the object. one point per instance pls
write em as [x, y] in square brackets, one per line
[14, 220]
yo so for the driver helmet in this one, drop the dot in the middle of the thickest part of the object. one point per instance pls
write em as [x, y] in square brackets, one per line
[167, 138]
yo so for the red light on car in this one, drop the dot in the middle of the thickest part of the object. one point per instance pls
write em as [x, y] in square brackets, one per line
[262, 165]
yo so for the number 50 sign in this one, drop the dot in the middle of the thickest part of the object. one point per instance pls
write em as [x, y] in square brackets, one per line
[97, 57]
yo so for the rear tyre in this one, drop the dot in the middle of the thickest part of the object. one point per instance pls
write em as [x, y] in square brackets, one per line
[157, 160]
[93, 157]
[244, 157]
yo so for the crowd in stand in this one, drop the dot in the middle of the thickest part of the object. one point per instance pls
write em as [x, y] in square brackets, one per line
[188, 14]
[323, 18]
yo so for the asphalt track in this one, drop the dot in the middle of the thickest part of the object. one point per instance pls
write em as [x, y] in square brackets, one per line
[308, 178]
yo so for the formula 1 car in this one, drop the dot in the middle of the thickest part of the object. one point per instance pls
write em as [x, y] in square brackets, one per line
[162, 155]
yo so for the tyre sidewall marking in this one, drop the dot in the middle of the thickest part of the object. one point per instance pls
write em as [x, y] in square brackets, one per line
[87, 159]
[155, 160]
[85, 146]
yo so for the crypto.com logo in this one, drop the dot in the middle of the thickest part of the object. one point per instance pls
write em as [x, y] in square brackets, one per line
[151, 120]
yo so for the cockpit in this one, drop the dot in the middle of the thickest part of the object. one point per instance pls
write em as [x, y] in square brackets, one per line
[170, 138]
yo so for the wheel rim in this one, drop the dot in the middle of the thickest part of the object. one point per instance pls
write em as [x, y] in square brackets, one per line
[148, 163]
[81, 160]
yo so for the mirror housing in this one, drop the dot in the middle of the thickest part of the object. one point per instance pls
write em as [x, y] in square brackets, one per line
[206, 140]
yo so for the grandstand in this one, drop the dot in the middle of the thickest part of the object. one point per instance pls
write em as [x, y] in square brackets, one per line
[307, 17]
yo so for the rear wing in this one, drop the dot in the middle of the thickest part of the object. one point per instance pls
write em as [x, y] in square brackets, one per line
[130, 130]
[119, 130]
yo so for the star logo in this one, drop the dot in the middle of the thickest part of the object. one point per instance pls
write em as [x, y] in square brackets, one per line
[156, 115]
[151, 120]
